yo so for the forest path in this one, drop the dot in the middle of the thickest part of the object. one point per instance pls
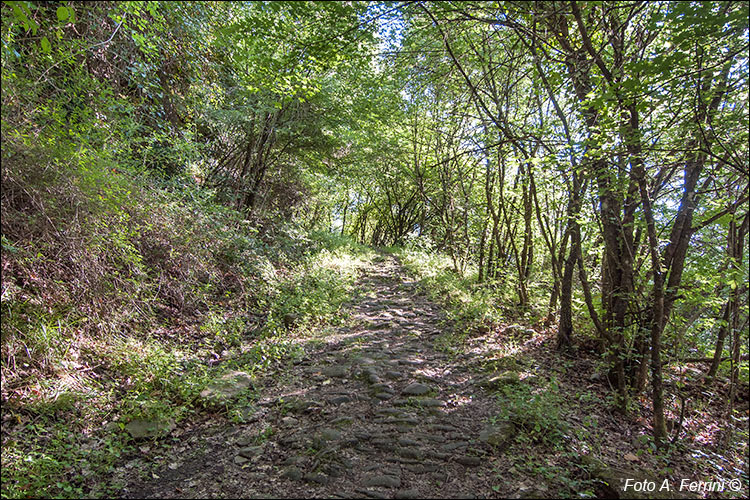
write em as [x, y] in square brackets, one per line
[373, 410]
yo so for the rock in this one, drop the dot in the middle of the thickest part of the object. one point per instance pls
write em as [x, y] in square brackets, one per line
[292, 473]
[290, 320]
[383, 396]
[403, 420]
[370, 493]
[407, 494]
[325, 436]
[314, 477]
[227, 387]
[389, 411]
[410, 453]
[330, 434]
[416, 389]
[142, 428]
[436, 438]
[442, 428]
[342, 421]
[381, 387]
[407, 442]
[469, 461]
[365, 361]
[289, 421]
[393, 375]
[240, 460]
[501, 380]
[244, 439]
[251, 451]
[370, 375]
[298, 405]
[293, 460]
[336, 371]
[423, 468]
[454, 446]
[498, 435]
[383, 480]
[339, 400]
[411, 362]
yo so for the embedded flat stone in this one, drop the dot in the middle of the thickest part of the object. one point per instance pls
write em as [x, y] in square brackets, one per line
[227, 387]
[336, 371]
[416, 389]
[498, 435]
[469, 461]
[382, 480]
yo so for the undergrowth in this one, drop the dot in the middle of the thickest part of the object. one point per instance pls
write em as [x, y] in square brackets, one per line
[122, 301]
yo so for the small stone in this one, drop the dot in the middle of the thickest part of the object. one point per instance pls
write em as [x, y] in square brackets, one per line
[454, 446]
[407, 442]
[370, 493]
[402, 420]
[336, 371]
[407, 494]
[290, 320]
[393, 375]
[293, 460]
[501, 380]
[292, 473]
[383, 388]
[251, 451]
[498, 435]
[339, 400]
[226, 387]
[443, 428]
[341, 421]
[383, 480]
[389, 411]
[244, 440]
[239, 460]
[316, 478]
[383, 396]
[411, 362]
[410, 453]
[416, 389]
[423, 468]
[289, 421]
[469, 461]
[301, 405]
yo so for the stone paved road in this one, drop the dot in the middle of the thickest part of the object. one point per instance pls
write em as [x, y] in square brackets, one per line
[375, 410]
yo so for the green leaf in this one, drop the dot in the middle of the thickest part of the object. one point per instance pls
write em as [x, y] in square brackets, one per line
[46, 46]
[62, 13]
